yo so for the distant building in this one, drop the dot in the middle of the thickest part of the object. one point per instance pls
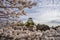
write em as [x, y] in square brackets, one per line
[29, 22]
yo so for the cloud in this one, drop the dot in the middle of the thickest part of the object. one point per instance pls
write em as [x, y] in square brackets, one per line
[55, 21]
[45, 14]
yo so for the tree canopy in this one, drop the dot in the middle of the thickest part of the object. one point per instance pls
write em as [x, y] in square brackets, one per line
[18, 4]
[42, 27]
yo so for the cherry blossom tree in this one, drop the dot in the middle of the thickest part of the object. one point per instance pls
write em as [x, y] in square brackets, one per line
[9, 5]
[18, 4]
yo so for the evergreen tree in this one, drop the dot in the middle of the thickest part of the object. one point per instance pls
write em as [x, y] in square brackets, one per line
[42, 27]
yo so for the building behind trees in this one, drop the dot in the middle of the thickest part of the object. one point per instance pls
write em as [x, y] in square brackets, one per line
[30, 24]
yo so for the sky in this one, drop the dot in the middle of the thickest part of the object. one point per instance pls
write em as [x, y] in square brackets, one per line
[46, 12]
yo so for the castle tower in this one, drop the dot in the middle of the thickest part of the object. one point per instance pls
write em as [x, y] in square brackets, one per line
[29, 22]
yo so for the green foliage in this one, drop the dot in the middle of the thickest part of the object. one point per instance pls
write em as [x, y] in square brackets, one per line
[42, 27]
[56, 27]
[20, 23]
[28, 24]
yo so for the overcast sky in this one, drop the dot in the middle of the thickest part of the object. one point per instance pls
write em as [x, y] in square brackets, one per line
[46, 12]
